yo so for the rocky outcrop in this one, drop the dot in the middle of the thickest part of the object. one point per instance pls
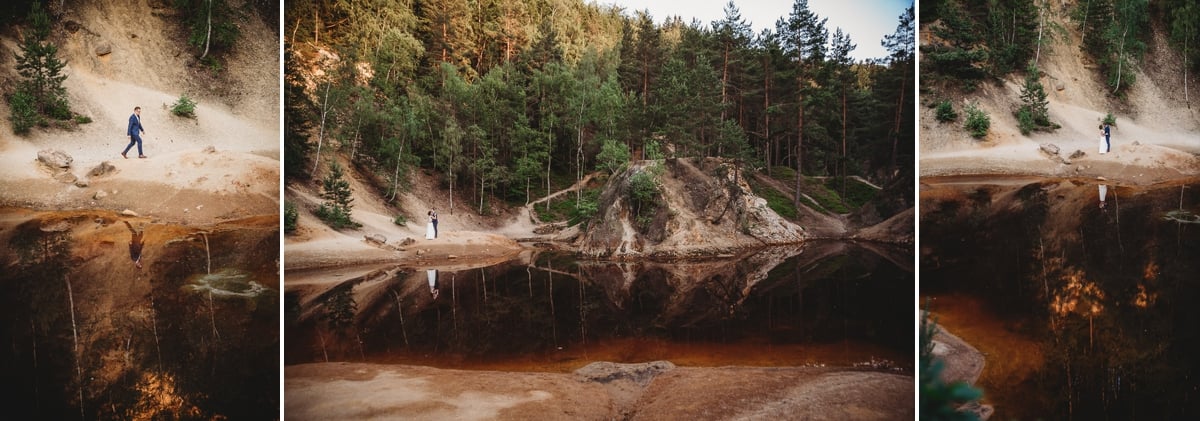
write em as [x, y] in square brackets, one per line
[55, 159]
[701, 209]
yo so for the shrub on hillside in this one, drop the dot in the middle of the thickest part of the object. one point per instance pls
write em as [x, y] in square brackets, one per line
[337, 194]
[1110, 120]
[290, 215]
[24, 112]
[945, 112]
[184, 107]
[978, 122]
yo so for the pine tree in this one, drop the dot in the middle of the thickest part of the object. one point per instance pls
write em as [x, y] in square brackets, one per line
[297, 115]
[804, 36]
[337, 194]
[1033, 99]
[41, 73]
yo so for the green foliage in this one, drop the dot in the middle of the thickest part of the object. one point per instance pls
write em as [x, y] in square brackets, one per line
[940, 401]
[776, 200]
[827, 198]
[1109, 119]
[39, 93]
[945, 111]
[290, 217]
[652, 150]
[335, 211]
[498, 101]
[82, 119]
[340, 308]
[24, 113]
[1025, 121]
[213, 24]
[297, 120]
[978, 122]
[400, 220]
[857, 192]
[613, 155]
[643, 194]
[184, 107]
[1033, 100]
[1114, 34]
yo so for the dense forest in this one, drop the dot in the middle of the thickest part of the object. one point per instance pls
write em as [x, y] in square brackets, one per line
[501, 98]
[975, 39]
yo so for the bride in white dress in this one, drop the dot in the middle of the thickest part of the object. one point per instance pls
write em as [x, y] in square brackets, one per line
[429, 227]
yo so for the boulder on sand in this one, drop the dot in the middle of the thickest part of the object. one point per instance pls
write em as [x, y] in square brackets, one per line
[102, 169]
[54, 158]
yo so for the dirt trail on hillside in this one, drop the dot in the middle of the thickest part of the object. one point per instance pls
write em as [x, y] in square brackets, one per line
[1156, 138]
[220, 165]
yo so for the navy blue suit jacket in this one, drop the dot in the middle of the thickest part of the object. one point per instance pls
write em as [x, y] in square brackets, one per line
[135, 126]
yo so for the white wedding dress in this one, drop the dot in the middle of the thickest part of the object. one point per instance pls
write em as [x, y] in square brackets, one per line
[429, 230]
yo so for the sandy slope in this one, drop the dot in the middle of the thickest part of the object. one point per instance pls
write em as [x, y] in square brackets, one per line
[462, 234]
[222, 164]
[1157, 137]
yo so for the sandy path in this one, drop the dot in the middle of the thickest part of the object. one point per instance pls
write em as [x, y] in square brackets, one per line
[223, 164]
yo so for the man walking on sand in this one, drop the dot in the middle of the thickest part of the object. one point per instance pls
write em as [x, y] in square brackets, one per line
[1107, 137]
[134, 132]
[433, 217]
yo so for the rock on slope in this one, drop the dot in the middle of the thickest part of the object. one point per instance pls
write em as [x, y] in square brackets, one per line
[703, 209]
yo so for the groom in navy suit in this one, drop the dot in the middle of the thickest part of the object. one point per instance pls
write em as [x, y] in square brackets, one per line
[134, 132]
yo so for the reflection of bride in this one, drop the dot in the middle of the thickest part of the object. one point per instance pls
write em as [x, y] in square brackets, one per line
[429, 227]
[431, 275]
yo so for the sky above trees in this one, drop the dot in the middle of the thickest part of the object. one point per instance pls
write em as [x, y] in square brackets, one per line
[866, 21]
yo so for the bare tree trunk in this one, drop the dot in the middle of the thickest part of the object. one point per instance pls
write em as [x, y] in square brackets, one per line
[1120, 60]
[396, 174]
[767, 145]
[724, 81]
[154, 328]
[1041, 11]
[212, 317]
[207, 253]
[324, 349]
[1083, 32]
[400, 310]
[843, 143]
[799, 139]
[208, 35]
[579, 154]
[75, 337]
[321, 132]
[899, 115]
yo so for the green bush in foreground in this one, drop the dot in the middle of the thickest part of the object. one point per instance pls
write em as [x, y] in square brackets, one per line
[184, 107]
[977, 122]
[290, 215]
[940, 401]
[945, 112]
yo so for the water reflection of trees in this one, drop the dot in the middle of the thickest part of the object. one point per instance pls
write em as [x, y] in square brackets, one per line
[85, 343]
[1109, 291]
[550, 303]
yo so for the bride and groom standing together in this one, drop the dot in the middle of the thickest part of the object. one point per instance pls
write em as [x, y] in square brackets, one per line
[431, 227]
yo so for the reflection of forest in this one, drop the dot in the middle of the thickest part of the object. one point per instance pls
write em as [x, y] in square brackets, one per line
[818, 293]
[93, 336]
[1108, 291]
